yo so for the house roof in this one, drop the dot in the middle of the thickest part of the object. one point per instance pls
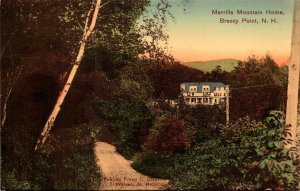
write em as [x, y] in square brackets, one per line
[200, 84]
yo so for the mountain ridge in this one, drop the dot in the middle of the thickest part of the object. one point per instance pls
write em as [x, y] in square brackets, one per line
[207, 66]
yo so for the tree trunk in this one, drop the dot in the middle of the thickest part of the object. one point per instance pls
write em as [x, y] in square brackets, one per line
[86, 33]
[293, 81]
[12, 77]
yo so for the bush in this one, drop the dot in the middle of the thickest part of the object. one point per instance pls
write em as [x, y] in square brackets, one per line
[207, 165]
[21, 167]
[154, 165]
[67, 160]
[11, 182]
[211, 165]
[203, 118]
[75, 169]
[130, 121]
[263, 160]
[257, 161]
[239, 128]
[71, 158]
[170, 134]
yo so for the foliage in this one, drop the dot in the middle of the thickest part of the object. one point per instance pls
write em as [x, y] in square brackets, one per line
[207, 165]
[75, 169]
[253, 159]
[130, 120]
[254, 83]
[169, 134]
[134, 81]
[24, 171]
[239, 128]
[10, 181]
[263, 158]
[73, 163]
[154, 165]
[203, 119]
[165, 78]
[68, 162]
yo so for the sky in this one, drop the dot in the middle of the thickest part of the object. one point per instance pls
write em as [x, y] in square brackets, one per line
[198, 35]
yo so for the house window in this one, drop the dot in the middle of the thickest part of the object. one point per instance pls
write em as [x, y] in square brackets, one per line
[205, 100]
[215, 100]
[193, 88]
[187, 100]
[224, 94]
[193, 100]
[205, 88]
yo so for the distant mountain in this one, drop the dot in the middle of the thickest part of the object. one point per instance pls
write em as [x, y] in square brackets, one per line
[208, 66]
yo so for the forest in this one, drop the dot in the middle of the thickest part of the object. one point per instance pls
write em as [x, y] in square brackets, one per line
[118, 96]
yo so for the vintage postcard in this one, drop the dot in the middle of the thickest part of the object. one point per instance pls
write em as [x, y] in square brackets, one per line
[150, 94]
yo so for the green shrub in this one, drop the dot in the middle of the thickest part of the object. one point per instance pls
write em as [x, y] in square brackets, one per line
[170, 134]
[75, 169]
[257, 161]
[130, 121]
[263, 160]
[203, 118]
[239, 128]
[207, 165]
[211, 165]
[21, 167]
[154, 165]
[67, 160]
[71, 158]
[10, 182]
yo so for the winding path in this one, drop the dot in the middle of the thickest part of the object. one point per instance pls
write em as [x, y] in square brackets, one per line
[117, 174]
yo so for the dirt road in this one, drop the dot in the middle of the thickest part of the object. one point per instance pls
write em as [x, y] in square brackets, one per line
[117, 174]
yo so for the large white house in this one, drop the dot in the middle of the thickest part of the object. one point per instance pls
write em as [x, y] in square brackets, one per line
[204, 93]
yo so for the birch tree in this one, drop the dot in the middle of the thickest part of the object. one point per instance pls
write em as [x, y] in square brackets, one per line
[87, 31]
[11, 78]
[293, 80]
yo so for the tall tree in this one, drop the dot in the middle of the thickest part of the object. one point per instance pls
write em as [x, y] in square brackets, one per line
[88, 29]
[293, 81]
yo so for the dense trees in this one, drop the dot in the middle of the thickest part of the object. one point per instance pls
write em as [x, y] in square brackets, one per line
[42, 38]
[253, 84]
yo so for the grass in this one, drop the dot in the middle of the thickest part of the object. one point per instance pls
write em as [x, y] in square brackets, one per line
[208, 66]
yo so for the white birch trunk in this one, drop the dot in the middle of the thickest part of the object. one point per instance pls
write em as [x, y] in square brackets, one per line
[86, 33]
[293, 81]
[12, 77]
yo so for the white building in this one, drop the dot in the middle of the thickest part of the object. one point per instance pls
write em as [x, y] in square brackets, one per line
[204, 93]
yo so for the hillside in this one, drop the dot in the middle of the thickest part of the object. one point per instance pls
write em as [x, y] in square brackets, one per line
[207, 66]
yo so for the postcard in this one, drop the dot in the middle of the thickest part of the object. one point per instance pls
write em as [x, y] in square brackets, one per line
[150, 95]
